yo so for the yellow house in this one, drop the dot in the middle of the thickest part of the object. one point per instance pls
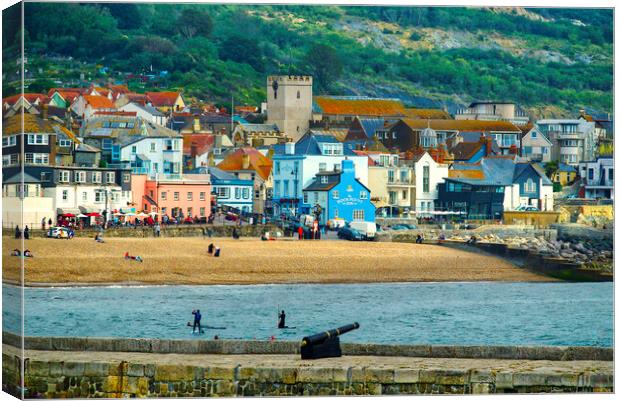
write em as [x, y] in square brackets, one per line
[565, 174]
[166, 101]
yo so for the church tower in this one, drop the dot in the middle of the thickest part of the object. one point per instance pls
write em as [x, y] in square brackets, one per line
[289, 103]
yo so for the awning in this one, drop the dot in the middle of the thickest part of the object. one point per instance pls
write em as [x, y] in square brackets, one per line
[68, 210]
[88, 209]
[143, 157]
[149, 200]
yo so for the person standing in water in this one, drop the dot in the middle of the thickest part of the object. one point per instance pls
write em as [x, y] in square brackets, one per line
[282, 320]
[197, 317]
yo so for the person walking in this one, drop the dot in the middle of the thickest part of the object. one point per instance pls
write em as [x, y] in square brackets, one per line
[157, 230]
[43, 223]
[18, 233]
[49, 222]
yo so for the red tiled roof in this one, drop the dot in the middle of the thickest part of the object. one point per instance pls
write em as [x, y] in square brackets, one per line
[201, 142]
[360, 107]
[259, 163]
[436, 114]
[116, 113]
[116, 89]
[462, 125]
[99, 102]
[472, 174]
[159, 99]
[30, 97]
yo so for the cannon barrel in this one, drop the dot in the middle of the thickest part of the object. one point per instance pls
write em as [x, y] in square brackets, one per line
[321, 337]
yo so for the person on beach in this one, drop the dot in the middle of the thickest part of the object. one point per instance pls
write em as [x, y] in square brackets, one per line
[472, 240]
[16, 252]
[157, 230]
[442, 238]
[217, 252]
[43, 224]
[49, 222]
[210, 249]
[282, 320]
[28, 254]
[26, 233]
[300, 232]
[197, 317]
[18, 233]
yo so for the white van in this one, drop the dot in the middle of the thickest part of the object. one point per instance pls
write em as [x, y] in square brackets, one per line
[366, 228]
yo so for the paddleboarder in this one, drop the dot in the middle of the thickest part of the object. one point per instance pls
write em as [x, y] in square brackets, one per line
[282, 320]
[197, 317]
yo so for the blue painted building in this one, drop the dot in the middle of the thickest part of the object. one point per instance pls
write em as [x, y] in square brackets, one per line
[340, 195]
[229, 190]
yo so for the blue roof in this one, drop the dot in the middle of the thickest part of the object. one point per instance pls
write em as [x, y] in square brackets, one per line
[500, 171]
[566, 168]
[470, 136]
[370, 125]
[309, 145]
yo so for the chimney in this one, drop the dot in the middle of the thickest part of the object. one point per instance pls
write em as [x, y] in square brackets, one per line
[194, 149]
[245, 161]
[45, 107]
[489, 146]
[289, 148]
[348, 167]
[196, 123]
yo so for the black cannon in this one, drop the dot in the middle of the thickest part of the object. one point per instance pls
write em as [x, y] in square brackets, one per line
[325, 344]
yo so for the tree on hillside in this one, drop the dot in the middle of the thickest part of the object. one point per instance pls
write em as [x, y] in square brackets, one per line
[324, 64]
[193, 22]
[127, 15]
[41, 85]
[242, 50]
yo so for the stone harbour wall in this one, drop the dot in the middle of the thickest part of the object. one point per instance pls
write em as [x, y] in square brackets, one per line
[66, 379]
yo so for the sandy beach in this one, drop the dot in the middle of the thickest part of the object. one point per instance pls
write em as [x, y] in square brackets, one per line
[82, 261]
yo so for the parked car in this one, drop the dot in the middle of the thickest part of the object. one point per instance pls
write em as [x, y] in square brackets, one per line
[526, 208]
[398, 227]
[366, 228]
[58, 232]
[350, 234]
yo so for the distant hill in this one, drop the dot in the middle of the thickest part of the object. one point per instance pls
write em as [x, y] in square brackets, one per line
[552, 61]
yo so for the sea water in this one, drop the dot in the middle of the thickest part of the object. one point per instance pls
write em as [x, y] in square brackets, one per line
[472, 313]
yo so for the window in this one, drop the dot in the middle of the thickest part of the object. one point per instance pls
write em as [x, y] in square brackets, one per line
[534, 135]
[394, 135]
[64, 143]
[530, 186]
[98, 197]
[277, 167]
[390, 175]
[545, 150]
[286, 188]
[298, 95]
[97, 177]
[358, 215]
[336, 194]
[590, 174]
[126, 177]
[63, 176]
[363, 195]
[84, 196]
[276, 187]
[610, 174]
[237, 192]
[37, 139]
[322, 166]
[405, 194]
[426, 179]
[189, 211]
[110, 177]
[80, 176]
[222, 192]
[164, 195]
[527, 150]
[190, 196]
[324, 179]
[202, 196]
[152, 146]
[37, 158]
[9, 141]
[10, 160]
[403, 175]
[246, 193]
[134, 149]
[176, 196]
[202, 211]
[106, 144]
[65, 194]
[305, 197]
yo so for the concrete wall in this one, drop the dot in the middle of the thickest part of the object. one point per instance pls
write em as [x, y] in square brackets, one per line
[540, 219]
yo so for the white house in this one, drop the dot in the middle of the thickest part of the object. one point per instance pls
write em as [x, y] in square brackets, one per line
[536, 147]
[598, 178]
[154, 154]
[428, 175]
[573, 140]
[146, 112]
[86, 106]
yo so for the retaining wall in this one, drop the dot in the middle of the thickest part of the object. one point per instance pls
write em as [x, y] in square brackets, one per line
[292, 347]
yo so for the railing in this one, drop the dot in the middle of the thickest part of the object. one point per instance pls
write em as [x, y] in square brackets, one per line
[139, 170]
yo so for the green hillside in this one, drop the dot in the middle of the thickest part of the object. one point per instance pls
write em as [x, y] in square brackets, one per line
[552, 61]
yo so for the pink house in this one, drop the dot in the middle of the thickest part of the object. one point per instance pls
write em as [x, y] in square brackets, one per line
[187, 196]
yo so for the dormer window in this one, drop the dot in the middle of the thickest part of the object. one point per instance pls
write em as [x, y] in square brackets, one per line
[324, 179]
[330, 149]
